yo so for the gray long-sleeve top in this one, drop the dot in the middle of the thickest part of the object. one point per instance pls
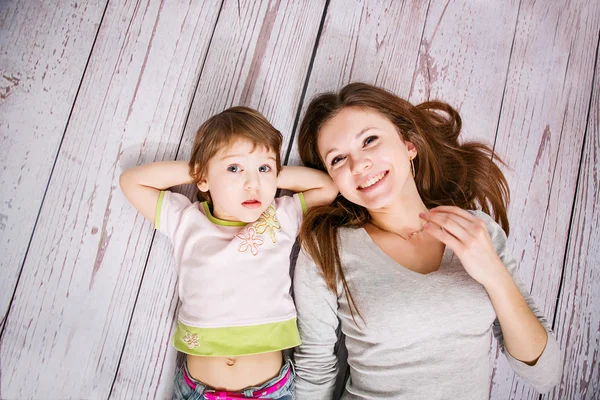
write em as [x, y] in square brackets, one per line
[423, 336]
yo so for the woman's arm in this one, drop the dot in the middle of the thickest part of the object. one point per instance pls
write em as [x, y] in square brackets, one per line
[521, 329]
[315, 359]
[142, 185]
[317, 186]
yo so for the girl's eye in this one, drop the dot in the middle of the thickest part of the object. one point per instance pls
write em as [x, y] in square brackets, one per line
[264, 168]
[370, 140]
[336, 160]
[234, 168]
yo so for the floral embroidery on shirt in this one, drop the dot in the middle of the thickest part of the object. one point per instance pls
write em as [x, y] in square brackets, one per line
[268, 223]
[191, 339]
[249, 241]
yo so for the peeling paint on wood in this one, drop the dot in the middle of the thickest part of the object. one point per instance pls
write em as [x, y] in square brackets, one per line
[35, 103]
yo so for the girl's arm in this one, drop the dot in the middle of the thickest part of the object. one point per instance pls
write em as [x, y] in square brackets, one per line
[317, 186]
[142, 185]
[532, 351]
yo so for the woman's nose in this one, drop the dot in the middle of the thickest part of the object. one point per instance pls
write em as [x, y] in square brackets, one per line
[358, 165]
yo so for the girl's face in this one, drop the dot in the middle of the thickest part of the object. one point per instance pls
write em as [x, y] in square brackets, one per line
[242, 180]
[366, 157]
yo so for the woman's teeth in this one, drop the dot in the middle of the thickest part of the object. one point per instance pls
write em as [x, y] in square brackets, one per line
[372, 181]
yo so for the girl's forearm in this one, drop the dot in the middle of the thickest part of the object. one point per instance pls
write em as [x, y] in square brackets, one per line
[141, 185]
[301, 179]
[524, 336]
[160, 175]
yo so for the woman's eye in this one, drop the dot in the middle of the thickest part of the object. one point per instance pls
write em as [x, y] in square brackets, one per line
[370, 140]
[264, 168]
[234, 168]
[336, 160]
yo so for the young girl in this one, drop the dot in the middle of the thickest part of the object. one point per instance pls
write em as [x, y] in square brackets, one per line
[232, 251]
[418, 279]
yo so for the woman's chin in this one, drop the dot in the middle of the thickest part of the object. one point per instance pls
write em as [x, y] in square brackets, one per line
[372, 202]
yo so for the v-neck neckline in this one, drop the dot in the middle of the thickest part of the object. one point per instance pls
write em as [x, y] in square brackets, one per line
[446, 258]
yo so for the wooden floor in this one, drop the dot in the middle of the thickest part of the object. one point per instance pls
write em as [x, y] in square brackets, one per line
[91, 88]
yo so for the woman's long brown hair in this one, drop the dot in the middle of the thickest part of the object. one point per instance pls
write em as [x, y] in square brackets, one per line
[446, 171]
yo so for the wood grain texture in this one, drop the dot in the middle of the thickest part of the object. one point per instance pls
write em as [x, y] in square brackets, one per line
[463, 60]
[540, 136]
[369, 41]
[72, 308]
[578, 315]
[257, 58]
[254, 63]
[43, 52]
[96, 300]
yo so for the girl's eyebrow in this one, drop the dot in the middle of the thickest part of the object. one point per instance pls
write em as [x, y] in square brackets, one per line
[362, 132]
[232, 156]
[243, 155]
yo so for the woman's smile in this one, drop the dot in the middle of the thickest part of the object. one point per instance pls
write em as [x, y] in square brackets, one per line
[373, 182]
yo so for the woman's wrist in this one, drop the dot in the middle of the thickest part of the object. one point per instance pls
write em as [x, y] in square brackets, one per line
[498, 279]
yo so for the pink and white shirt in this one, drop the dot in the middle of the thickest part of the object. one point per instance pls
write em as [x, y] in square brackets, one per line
[234, 277]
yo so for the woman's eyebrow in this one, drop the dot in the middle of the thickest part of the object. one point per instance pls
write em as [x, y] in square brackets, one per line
[330, 151]
[364, 131]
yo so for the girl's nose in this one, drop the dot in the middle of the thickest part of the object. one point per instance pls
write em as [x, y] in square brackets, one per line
[251, 182]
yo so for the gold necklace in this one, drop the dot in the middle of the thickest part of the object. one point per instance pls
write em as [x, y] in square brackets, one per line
[396, 233]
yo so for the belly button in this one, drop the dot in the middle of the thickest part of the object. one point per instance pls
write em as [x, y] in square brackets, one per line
[230, 362]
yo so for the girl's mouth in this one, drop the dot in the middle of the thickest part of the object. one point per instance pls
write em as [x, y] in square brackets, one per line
[251, 203]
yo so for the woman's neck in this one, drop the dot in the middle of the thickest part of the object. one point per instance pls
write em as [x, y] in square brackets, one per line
[401, 216]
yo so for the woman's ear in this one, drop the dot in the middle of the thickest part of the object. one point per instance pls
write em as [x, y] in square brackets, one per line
[411, 148]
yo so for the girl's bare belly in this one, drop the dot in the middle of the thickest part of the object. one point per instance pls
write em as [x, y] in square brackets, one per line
[218, 373]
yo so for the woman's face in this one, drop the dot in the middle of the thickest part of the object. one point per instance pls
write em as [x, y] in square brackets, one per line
[366, 157]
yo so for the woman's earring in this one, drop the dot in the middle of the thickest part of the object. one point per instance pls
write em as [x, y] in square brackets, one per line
[412, 167]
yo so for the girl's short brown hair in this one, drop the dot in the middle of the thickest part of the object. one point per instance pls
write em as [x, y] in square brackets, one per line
[223, 129]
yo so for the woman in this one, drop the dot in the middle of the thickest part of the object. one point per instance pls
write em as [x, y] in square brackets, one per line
[416, 277]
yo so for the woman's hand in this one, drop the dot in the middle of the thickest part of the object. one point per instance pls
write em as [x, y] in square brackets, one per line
[468, 237]
[524, 336]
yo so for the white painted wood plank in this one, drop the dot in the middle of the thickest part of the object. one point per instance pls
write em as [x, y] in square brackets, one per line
[67, 325]
[258, 58]
[578, 315]
[44, 47]
[540, 136]
[240, 73]
[369, 41]
[463, 60]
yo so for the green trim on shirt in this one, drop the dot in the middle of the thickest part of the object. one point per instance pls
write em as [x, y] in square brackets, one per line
[159, 202]
[302, 202]
[236, 340]
[218, 221]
